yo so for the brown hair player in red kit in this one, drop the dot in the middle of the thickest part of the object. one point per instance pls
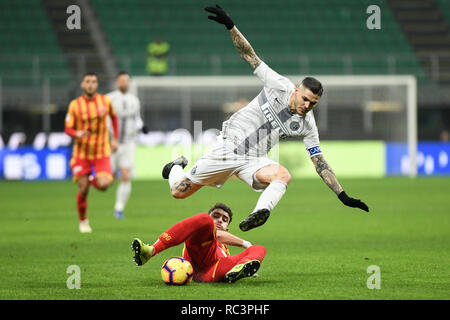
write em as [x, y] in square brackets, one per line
[206, 237]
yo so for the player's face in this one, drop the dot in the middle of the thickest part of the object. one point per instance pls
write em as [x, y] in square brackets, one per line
[303, 100]
[221, 219]
[123, 82]
[89, 85]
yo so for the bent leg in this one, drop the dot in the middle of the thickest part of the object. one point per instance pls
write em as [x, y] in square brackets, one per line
[184, 188]
[197, 230]
[104, 181]
[223, 265]
[277, 178]
[83, 189]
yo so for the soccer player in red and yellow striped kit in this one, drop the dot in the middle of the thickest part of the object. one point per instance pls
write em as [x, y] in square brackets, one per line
[86, 123]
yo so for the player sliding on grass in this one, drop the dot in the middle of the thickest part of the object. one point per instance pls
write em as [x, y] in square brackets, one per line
[206, 238]
[280, 110]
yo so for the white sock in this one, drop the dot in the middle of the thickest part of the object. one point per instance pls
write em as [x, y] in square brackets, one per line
[122, 195]
[175, 175]
[270, 197]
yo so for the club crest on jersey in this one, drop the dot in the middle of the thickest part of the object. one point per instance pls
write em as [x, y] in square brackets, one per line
[101, 111]
[294, 125]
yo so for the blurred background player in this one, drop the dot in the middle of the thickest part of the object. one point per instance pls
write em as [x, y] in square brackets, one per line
[86, 123]
[206, 238]
[280, 110]
[127, 108]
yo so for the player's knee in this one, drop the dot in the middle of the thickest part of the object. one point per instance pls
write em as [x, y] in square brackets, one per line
[177, 194]
[283, 175]
[125, 175]
[204, 220]
[103, 184]
[260, 251]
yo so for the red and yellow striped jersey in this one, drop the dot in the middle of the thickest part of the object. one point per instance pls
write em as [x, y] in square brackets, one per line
[91, 115]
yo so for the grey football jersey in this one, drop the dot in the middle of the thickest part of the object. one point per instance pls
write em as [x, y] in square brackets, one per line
[128, 108]
[256, 128]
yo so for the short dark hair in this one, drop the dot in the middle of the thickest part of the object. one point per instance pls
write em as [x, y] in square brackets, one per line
[224, 207]
[313, 84]
[89, 73]
[121, 73]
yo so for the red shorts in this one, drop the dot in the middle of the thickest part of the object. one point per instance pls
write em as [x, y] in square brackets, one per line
[81, 167]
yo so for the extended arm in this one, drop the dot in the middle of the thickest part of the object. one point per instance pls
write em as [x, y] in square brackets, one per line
[243, 47]
[328, 176]
[326, 173]
[230, 239]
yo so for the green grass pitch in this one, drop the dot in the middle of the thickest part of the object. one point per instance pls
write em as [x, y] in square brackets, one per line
[316, 247]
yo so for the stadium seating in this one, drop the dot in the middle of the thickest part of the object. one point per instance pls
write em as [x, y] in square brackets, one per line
[28, 44]
[310, 36]
[444, 5]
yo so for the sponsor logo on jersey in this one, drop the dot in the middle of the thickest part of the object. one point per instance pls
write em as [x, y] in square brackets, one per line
[166, 236]
[265, 108]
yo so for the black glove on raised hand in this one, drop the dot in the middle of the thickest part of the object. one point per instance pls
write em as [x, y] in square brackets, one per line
[144, 129]
[351, 202]
[220, 16]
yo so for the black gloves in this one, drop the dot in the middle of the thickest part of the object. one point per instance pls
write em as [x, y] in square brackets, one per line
[350, 202]
[220, 16]
[144, 129]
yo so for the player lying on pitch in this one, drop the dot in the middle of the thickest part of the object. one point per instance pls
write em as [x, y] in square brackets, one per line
[280, 110]
[206, 237]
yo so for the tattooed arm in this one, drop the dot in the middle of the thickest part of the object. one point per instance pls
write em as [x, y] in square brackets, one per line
[328, 176]
[326, 173]
[244, 48]
[242, 45]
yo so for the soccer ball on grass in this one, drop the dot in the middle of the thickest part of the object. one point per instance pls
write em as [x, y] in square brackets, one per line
[177, 271]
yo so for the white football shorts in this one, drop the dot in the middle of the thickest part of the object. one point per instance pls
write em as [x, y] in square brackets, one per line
[219, 163]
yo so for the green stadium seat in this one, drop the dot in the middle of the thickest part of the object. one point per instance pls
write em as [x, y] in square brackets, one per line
[336, 28]
[26, 32]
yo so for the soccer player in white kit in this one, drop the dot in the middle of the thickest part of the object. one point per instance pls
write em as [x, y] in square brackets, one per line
[280, 110]
[128, 109]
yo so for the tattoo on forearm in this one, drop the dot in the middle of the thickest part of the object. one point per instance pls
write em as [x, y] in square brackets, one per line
[244, 48]
[326, 173]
